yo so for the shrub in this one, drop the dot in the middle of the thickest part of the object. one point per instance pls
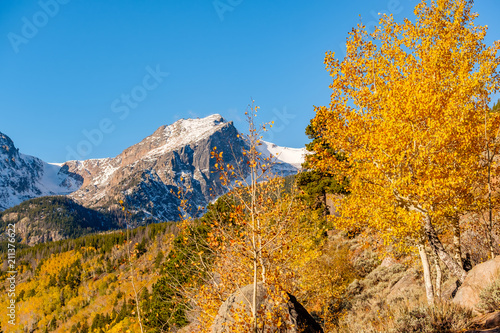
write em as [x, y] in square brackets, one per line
[440, 318]
[366, 263]
[490, 297]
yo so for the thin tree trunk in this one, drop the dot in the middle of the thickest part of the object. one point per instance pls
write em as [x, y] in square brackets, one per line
[254, 298]
[455, 222]
[490, 211]
[488, 230]
[439, 276]
[262, 264]
[492, 250]
[436, 245]
[490, 207]
[255, 251]
[429, 290]
[326, 210]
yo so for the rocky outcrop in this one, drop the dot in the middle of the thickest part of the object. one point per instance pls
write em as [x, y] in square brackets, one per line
[478, 278]
[409, 284]
[148, 175]
[486, 323]
[493, 330]
[294, 317]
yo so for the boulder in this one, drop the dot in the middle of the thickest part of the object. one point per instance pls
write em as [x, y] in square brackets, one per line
[295, 317]
[478, 278]
[409, 285]
[388, 262]
[486, 323]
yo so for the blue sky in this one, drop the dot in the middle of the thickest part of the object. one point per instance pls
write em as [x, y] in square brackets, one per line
[70, 69]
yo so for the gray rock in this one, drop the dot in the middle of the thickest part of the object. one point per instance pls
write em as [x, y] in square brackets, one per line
[148, 174]
[407, 286]
[489, 322]
[295, 317]
[388, 262]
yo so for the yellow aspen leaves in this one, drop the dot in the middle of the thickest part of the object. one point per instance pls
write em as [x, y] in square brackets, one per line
[407, 109]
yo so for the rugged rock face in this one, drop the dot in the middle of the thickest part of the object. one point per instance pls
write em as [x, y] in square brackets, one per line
[489, 322]
[295, 318]
[24, 177]
[148, 175]
[478, 278]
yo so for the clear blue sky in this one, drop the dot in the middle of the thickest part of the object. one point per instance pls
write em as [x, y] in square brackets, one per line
[71, 70]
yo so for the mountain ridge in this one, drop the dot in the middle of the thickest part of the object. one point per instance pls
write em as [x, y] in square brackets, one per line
[148, 175]
[24, 177]
[53, 218]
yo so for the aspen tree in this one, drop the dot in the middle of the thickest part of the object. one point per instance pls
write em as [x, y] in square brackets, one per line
[260, 242]
[407, 110]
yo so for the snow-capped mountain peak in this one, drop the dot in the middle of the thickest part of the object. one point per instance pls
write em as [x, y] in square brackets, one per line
[145, 175]
[186, 131]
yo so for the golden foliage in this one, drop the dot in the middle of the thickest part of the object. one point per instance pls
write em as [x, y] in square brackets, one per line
[408, 109]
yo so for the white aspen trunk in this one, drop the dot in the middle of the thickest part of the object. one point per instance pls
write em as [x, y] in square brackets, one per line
[490, 207]
[254, 296]
[429, 290]
[490, 211]
[254, 242]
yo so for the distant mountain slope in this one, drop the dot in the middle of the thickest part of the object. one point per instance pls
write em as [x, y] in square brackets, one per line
[24, 177]
[53, 218]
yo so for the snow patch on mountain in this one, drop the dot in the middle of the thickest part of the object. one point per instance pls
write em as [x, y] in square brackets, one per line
[283, 155]
[51, 180]
[186, 131]
[24, 177]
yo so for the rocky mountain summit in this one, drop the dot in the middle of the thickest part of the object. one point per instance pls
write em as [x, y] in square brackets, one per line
[146, 176]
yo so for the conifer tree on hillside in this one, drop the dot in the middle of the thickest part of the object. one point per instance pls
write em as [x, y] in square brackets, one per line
[317, 183]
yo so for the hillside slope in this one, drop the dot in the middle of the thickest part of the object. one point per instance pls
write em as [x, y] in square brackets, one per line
[54, 218]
